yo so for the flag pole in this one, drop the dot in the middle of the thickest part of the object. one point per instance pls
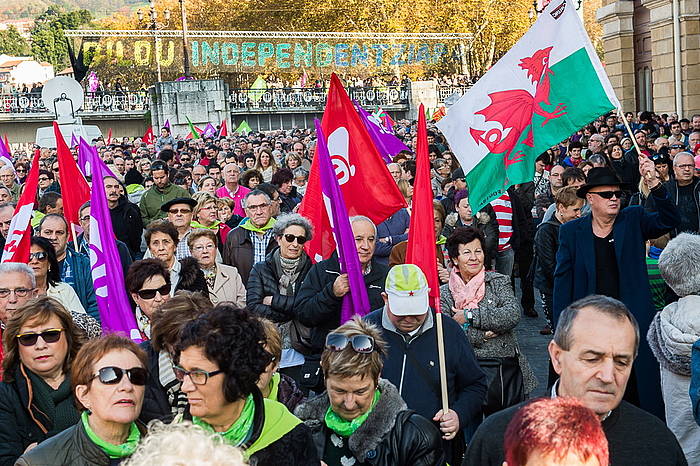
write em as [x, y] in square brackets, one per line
[75, 237]
[441, 356]
[647, 175]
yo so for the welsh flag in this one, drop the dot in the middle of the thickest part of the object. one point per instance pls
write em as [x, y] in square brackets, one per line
[548, 86]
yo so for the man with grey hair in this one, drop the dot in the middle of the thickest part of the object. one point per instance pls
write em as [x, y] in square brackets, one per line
[250, 242]
[7, 210]
[8, 179]
[231, 188]
[684, 190]
[594, 346]
[317, 305]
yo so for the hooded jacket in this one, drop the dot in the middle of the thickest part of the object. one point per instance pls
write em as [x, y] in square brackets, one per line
[391, 435]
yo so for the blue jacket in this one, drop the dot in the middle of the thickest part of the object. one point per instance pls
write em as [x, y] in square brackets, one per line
[466, 383]
[574, 276]
[75, 270]
[695, 381]
[393, 227]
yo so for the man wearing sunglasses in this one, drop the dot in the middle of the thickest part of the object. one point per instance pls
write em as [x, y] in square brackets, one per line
[603, 253]
[407, 323]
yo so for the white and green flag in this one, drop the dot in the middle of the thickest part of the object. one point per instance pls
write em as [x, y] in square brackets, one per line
[548, 86]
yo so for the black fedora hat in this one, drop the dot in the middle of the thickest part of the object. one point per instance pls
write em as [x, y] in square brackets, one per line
[178, 200]
[600, 176]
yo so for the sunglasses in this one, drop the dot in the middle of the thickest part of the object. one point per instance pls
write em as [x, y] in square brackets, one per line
[40, 256]
[360, 343]
[290, 239]
[113, 375]
[608, 194]
[180, 211]
[51, 335]
[150, 294]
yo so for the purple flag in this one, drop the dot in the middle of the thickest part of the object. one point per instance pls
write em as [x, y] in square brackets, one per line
[107, 274]
[356, 301]
[73, 140]
[167, 124]
[387, 144]
[209, 131]
[85, 157]
[5, 154]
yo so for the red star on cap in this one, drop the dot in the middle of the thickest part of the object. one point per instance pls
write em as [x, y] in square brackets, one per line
[410, 293]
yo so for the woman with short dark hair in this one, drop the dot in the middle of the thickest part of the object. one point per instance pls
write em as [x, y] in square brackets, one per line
[148, 283]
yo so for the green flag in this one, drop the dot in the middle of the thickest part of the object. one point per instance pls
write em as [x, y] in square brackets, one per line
[257, 89]
[193, 131]
[244, 127]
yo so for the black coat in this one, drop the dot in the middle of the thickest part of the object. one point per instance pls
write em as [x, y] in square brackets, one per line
[546, 245]
[238, 252]
[155, 398]
[72, 447]
[391, 435]
[316, 306]
[128, 225]
[21, 421]
[264, 281]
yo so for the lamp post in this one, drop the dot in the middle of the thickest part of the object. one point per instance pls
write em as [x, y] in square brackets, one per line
[152, 23]
[185, 52]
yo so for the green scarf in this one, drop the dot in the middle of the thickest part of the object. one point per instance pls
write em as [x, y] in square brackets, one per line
[239, 431]
[196, 224]
[441, 240]
[346, 428]
[274, 386]
[56, 404]
[114, 451]
[248, 225]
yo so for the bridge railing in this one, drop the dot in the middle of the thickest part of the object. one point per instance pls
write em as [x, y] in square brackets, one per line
[300, 99]
[95, 102]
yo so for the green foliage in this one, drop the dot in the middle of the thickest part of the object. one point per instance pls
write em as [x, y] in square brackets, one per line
[12, 43]
[48, 41]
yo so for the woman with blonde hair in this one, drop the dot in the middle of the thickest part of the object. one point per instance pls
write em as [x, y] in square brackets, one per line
[206, 215]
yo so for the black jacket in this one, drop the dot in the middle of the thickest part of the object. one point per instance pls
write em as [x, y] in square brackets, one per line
[546, 245]
[264, 281]
[316, 306]
[72, 447]
[21, 421]
[391, 435]
[155, 399]
[238, 252]
[128, 225]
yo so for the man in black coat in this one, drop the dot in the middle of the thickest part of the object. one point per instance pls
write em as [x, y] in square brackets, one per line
[594, 346]
[126, 217]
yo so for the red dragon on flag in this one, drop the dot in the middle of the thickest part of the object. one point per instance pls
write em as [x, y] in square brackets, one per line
[514, 110]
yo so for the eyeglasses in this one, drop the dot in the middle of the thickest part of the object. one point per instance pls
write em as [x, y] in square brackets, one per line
[111, 375]
[360, 343]
[198, 377]
[291, 238]
[43, 178]
[675, 146]
[21, 170]
[257, 207]
[151, 293]
[51, 335]
[19, 292]
[608, 194]
[208, 247]
[689, 166]
[40, 256]
[180, 211]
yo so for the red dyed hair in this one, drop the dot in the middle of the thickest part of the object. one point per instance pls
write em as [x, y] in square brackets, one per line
[557, 426]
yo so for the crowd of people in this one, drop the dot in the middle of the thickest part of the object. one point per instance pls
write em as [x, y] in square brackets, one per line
[245, 358]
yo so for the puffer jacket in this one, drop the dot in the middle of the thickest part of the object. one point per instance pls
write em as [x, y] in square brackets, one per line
[671, 336]
[316, 306]
[391, 435]
[264, 281]
[72, 447]
[498, 312]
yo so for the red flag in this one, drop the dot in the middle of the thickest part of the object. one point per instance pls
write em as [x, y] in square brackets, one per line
[18, 238]
[223, 130]
[74, 189]
[7, 143]
[109, 137]
[367, 185]
[149, 138]
[421, 232]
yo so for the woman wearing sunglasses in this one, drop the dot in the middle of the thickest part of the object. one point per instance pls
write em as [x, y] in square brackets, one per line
[36, 401]
[148, 282]
[219, 359]
[223, 281]
[274, 283]
[109, 378]
[361, 419]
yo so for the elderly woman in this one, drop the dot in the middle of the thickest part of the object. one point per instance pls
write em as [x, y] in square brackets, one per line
[148, 282]
[163, 398]
[274, 283]
[43, 261]
[36, 402]
[251, 178]
[272, 384]
[223, 281]
[362, 418]
[219, 360]
[484, 220]
[484, 304]
[205, 215]
[292, 161]
[161, 239]
[672, 333]
[289, 198]
[108, 377]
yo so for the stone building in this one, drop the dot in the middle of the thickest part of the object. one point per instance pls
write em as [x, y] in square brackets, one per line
[652, 53]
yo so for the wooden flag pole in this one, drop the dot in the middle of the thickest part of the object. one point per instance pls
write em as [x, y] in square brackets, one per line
[441, 357]
[646, 175]
[75, 237]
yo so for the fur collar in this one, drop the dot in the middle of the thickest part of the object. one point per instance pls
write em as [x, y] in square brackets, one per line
[379, 423]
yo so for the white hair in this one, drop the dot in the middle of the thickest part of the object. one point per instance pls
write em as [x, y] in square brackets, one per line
[18, 267]
[362, 218]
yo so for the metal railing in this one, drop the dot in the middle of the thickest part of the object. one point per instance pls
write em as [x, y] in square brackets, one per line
[290, 99]
[446, 91]
[95, 102]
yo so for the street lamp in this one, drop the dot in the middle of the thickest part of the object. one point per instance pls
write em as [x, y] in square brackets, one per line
[153, 24]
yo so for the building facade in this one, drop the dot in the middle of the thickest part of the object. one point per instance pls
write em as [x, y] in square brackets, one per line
[652, 53]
